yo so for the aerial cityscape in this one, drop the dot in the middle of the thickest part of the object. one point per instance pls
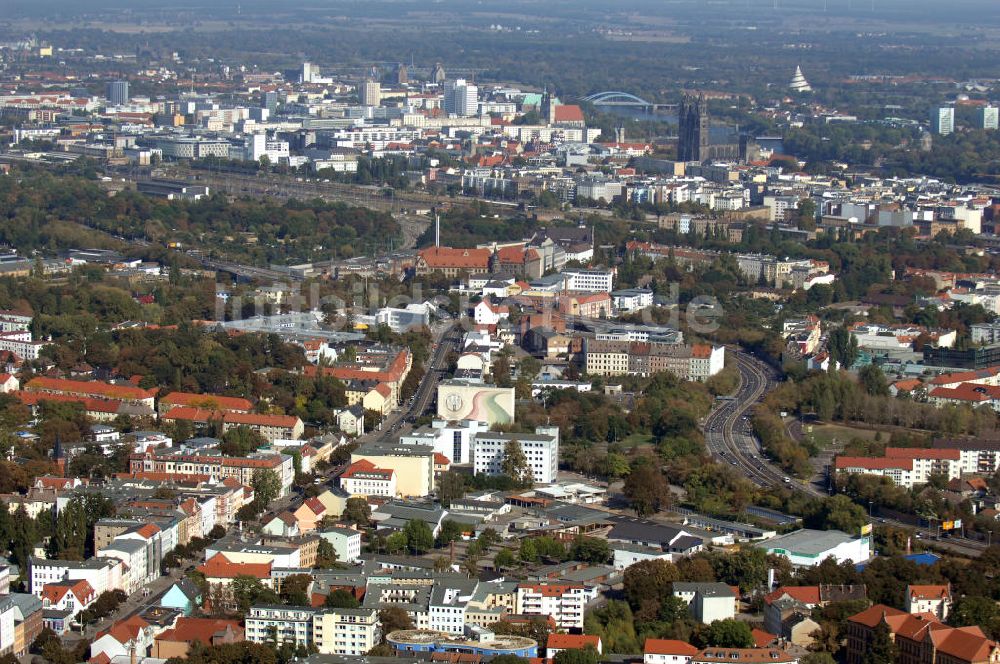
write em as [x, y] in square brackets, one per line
[480, 332]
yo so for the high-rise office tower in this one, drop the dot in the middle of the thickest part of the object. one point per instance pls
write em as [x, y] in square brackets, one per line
[943, 120]
[989, 117]
[370, 93]
[461, 98]
[269, 100]
[117, 93]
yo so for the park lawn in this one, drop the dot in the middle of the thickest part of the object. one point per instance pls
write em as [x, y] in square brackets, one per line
[636, 440]
[826, 434]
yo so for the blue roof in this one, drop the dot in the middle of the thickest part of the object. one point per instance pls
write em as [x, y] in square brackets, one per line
[926, 559]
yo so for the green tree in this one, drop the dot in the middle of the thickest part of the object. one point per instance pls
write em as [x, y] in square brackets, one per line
[882, 650]
[515, 464]
[451, 486]
[504, 559]
[451, 531]
[394, 618]
[646, 488]
[590, 550]
[843, 347]
[396, 542]
[248, 590]
[326, 554]
[729, 633]
[419, 536]
[838, 513]
[508, 659]
[586, 655]
[874, 381]
[295, 589]
[649, 581]
[266, 487]
[240, 441]
[615, 466]
[341, 599]
[976, 610]
[527, 552]
[357, 510]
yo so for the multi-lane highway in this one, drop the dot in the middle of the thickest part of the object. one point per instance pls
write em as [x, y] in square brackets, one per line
[730, 439]
[447, 338]
[728, 432]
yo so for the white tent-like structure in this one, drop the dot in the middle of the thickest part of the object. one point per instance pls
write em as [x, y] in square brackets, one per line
[799, 82]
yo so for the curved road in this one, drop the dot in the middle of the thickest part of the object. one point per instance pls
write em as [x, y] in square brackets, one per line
[728, 435]
[730, 439]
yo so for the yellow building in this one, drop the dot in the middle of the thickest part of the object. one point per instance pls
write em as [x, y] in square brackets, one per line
[414, 465]
[333, 502]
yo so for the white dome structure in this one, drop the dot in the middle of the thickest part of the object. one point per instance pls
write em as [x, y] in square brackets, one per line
[799, 82]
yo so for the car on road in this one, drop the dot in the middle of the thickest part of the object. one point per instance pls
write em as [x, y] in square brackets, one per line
[786, 480]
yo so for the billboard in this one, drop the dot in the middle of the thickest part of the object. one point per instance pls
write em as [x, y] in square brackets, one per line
[460, 400]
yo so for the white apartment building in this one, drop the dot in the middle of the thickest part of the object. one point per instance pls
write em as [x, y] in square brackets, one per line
[102, 574]
[345, 541]
[446, 608]
[565, 603]
[541, 449]
[632, 299]
[257, 146]
[19, 342]
[346, 631]
[286, 624]
[908, 467]
[708, 602]
[933, 599]
[592, 281]
[450, 438]
[14, 322]
[363, 478]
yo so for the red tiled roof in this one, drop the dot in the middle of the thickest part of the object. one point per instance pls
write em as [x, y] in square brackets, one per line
[441, 460]
[365, 467]
[92, 387]
[929, 591]
[390, 374]
[921, 453]
[873, 615]
[572, 641]
[191, 414]
[568, 113]
[255, 419]
[804, 594]
[761, 638]
[148, 530]
[207, 401]
[199, 629]
[964, 376]
[90, 405]
[126, 630]
[668, 647]
[515, 254]
[447, 257]
[54, 592]
[220, 567]
[315, 505]
[872, 463]
[966, 392]
[549, 589]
